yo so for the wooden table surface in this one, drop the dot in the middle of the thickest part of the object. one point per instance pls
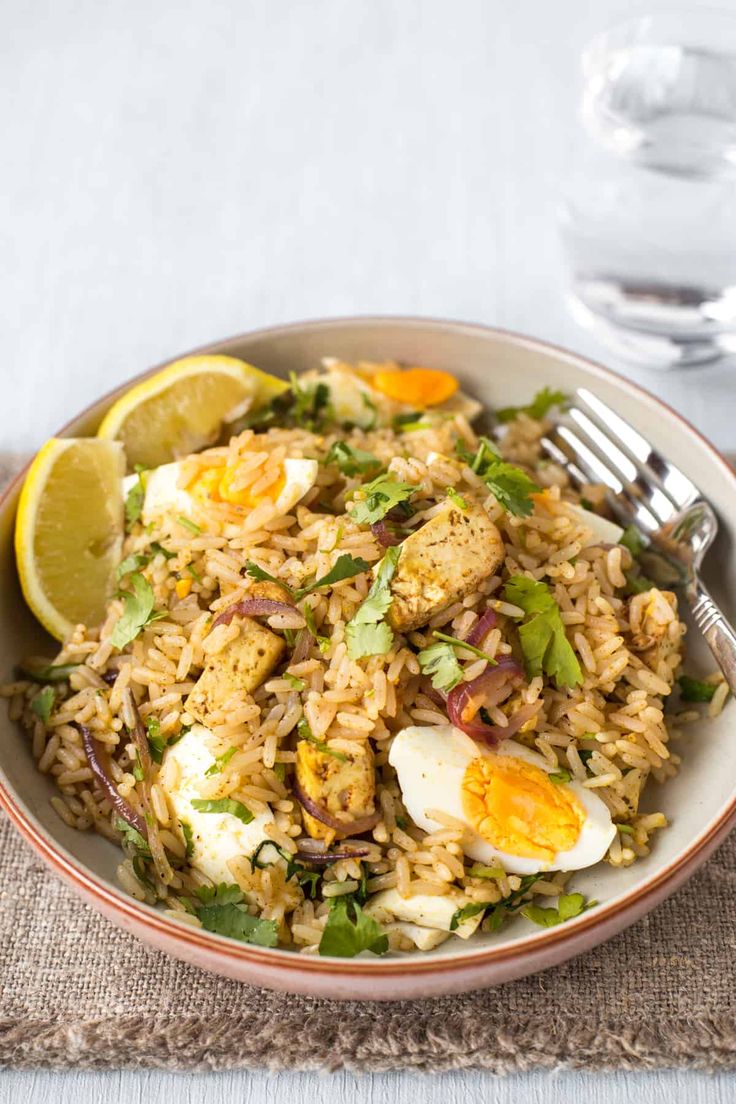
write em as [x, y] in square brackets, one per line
[175, 172]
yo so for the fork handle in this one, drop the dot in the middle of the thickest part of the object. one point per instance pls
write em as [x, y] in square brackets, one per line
[719, 634]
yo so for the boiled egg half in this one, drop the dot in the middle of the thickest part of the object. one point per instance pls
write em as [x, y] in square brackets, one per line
[215, 837]
[512, 810]
[167, 492]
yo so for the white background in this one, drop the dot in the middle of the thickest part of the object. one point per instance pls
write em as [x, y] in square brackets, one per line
[171, 173]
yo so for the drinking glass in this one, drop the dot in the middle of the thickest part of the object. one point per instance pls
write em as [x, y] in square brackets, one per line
[648, 219]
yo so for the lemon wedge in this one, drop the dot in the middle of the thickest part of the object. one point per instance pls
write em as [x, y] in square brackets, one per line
[69, 531]
[181, 408]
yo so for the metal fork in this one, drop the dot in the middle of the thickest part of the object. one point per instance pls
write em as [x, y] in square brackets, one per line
[644, 489]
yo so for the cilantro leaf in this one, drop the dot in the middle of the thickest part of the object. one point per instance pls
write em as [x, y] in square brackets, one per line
[632, 539]
[223, 805]
[53, 672]
[260, 573]
[693, 690]
[543, 640]
[137, 611]
[561, 775]
[351, 461]
[440, 662]
[311, 406]
[323, 642]
[43, 702]
[636, 583]
[464, 913]
[186, 830]
[221, 912]
[477, 870]
[538, 408]
[345, 567]
[131, 563]
[305, 733]
[131, 835]
[156, 742]
[458, 499]
[510, 485]
[134, 500]
[189, 524]
[220, 762]
[160, 550]
[367, 633]
[294, 682]
[457, 643]
[349, 931]
[381, 495]
[569, 905]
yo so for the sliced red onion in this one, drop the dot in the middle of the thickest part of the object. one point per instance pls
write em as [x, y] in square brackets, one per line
[495, 685]
[140, 740]
[482, 627]
[252, 607]
[97, 760]
[323, 858]
[138, 732]
[301, 647]
[345, 828]
[383, 534]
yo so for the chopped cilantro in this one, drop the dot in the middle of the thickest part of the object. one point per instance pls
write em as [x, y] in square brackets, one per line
[220, 762]
[440, 662]
[255, 572]
[138, 772]
[587, 504]
[43, 702]
[161, 551]
[222, 912]
[323, 642]
[345, 567]
[401, 822]
[464, 644]
[632, 539]
[279, 769]
[134, 499]
[561, 775]
[307, 879]
[223, 805]
[131, 563]
[53, 672]
[510, 485]
[312, 406]
[636, 583]
[542, 636]
[137, 611]
[351, 461]
[186, 830]
[294, 682]
[131, 835]
[693, 690]
[367, 633]
[305, 733]
[456, 498]
[538, 408]
[477, 870]
[381, 495]
[569, 905]
[625, 829]
[465, 913]
[156, 742]
[189, 524]
[349, 931]
[193, 572]
[585, 755]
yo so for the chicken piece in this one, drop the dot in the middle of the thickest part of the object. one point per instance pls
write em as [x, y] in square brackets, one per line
[659, 635]
[242, 665]
[344, 787]
[441, 563]
[266, 589]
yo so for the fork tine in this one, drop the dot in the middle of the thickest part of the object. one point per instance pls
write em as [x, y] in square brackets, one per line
[640, 484]
[564, 446]
[663, 472]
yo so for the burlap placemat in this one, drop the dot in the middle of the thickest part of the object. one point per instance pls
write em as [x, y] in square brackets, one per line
[78, 992]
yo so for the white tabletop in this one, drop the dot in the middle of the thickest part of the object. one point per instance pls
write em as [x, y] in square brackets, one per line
[176, 172]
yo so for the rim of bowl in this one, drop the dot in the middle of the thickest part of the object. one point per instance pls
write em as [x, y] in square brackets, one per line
[57, 856]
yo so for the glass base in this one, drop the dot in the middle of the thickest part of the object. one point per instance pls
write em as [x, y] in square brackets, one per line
[652, 350]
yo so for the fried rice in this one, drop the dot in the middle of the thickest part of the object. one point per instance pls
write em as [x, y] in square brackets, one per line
[609, 733]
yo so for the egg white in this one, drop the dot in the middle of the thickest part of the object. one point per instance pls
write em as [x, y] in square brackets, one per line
[164, 496]
[430, 762]
[216, 837]
[352, 399]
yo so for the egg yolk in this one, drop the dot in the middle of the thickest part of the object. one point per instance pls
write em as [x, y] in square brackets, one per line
[217, 485]
[416, 386]
[514, 806]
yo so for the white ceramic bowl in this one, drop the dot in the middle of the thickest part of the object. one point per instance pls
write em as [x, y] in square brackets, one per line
[499, 368]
